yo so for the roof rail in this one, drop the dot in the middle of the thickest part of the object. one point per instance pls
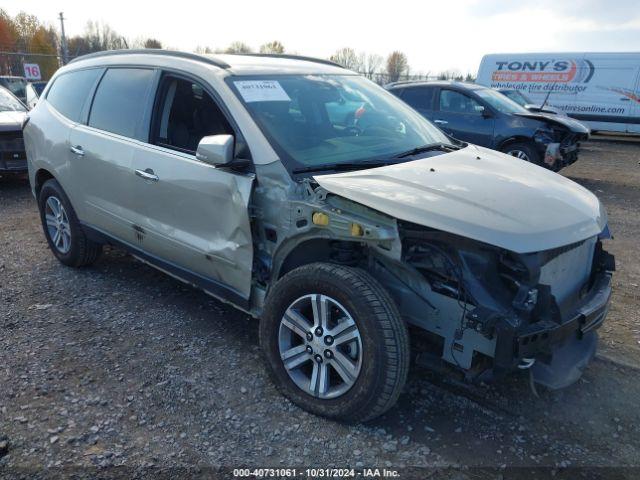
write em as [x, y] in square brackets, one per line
[155, 51]
[406, 82]
[291, 57]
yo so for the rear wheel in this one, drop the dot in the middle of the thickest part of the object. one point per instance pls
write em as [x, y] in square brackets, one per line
[523, 151]
[62, 229]
[334, 342]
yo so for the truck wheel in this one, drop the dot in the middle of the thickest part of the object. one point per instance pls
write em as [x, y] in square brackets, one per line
[62, 230]
[334, 342]
[523, 151]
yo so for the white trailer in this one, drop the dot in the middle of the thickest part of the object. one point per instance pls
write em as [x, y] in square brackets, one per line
[600, 89]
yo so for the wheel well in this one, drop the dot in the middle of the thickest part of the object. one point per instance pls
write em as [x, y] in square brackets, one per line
[511, 140]
[322, 250]
[42, 176]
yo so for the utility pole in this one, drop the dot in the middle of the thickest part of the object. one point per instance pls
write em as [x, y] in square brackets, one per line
[65, 52]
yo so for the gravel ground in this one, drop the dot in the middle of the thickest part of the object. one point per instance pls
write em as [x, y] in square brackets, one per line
[120, 365]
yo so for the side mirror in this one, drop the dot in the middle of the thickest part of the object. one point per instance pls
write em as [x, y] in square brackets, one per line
[486, 113]
[215, 149]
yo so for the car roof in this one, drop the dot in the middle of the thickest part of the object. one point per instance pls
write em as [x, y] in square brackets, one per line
[435, 83]
[234, 64]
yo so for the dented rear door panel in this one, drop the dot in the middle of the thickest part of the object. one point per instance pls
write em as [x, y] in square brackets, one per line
[195, 216]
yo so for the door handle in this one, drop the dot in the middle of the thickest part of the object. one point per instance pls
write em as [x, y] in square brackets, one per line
[77, 149]
[625, 99]
[440, 122]
[147, 174]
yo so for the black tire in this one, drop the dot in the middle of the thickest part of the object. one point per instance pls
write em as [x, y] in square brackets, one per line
[385, 341]
[81, 251]
[527, 148]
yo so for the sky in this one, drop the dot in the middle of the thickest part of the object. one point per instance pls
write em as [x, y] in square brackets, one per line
[436, 36]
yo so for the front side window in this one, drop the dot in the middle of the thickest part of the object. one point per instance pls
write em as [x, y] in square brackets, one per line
[186, 113]
[499, 101]
[420, 98]
[9, 103]
[120, 100]
[456, 102]
[70, 90]
[316, 120]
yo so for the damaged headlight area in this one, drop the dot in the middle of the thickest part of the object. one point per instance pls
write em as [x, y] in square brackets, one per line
[493, 311]
[559, 145]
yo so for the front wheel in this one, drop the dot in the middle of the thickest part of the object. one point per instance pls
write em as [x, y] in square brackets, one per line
[523, 151]
[334, 342]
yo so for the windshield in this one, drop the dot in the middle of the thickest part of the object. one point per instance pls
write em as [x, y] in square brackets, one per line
[17, 86]
[316, 120]
[517, 97]
[499, 101]
[9, 103]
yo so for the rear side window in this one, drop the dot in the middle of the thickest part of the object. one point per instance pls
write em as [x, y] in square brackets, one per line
[120, 100]
[420, 98]
[69, 92]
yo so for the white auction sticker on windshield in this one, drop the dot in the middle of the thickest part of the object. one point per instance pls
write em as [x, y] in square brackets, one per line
[261, 91]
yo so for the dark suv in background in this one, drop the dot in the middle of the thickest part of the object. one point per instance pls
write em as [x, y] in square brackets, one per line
[485, 117]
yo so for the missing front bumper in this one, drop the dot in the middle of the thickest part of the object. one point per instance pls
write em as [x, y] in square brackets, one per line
[567, 363]
[557, 154]
[543, 336]
[562, 350]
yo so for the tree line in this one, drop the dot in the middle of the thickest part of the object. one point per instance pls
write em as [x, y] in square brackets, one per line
[25, 39]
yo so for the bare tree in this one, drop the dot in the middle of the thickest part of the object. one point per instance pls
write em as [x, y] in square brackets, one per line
[372, 64]
[201, 49]
[78, 45]
[397, 65]
[152, 43]
[348, 58]
[101, 36]
[272, 47]
[238, 47]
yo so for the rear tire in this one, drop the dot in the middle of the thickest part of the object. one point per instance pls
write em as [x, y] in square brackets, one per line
[65, 236]
[371, 340]
[524, 151]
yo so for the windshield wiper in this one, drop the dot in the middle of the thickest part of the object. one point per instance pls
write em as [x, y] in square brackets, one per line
[341, 166]
[445, 147]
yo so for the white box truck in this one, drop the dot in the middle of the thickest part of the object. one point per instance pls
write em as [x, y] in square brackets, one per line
[600, 89]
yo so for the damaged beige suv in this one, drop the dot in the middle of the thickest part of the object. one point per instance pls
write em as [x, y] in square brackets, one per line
[316, 201]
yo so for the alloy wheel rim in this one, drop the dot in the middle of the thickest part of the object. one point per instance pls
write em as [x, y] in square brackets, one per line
[320, 346]
[519, 154]
[58, 224]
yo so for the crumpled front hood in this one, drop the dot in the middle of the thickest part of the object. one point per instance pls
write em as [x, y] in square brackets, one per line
[480, 194]
[573, 125]
[10, 121]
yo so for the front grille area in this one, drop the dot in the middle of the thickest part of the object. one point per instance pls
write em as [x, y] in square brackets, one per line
[568, 141]
[12, 153]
